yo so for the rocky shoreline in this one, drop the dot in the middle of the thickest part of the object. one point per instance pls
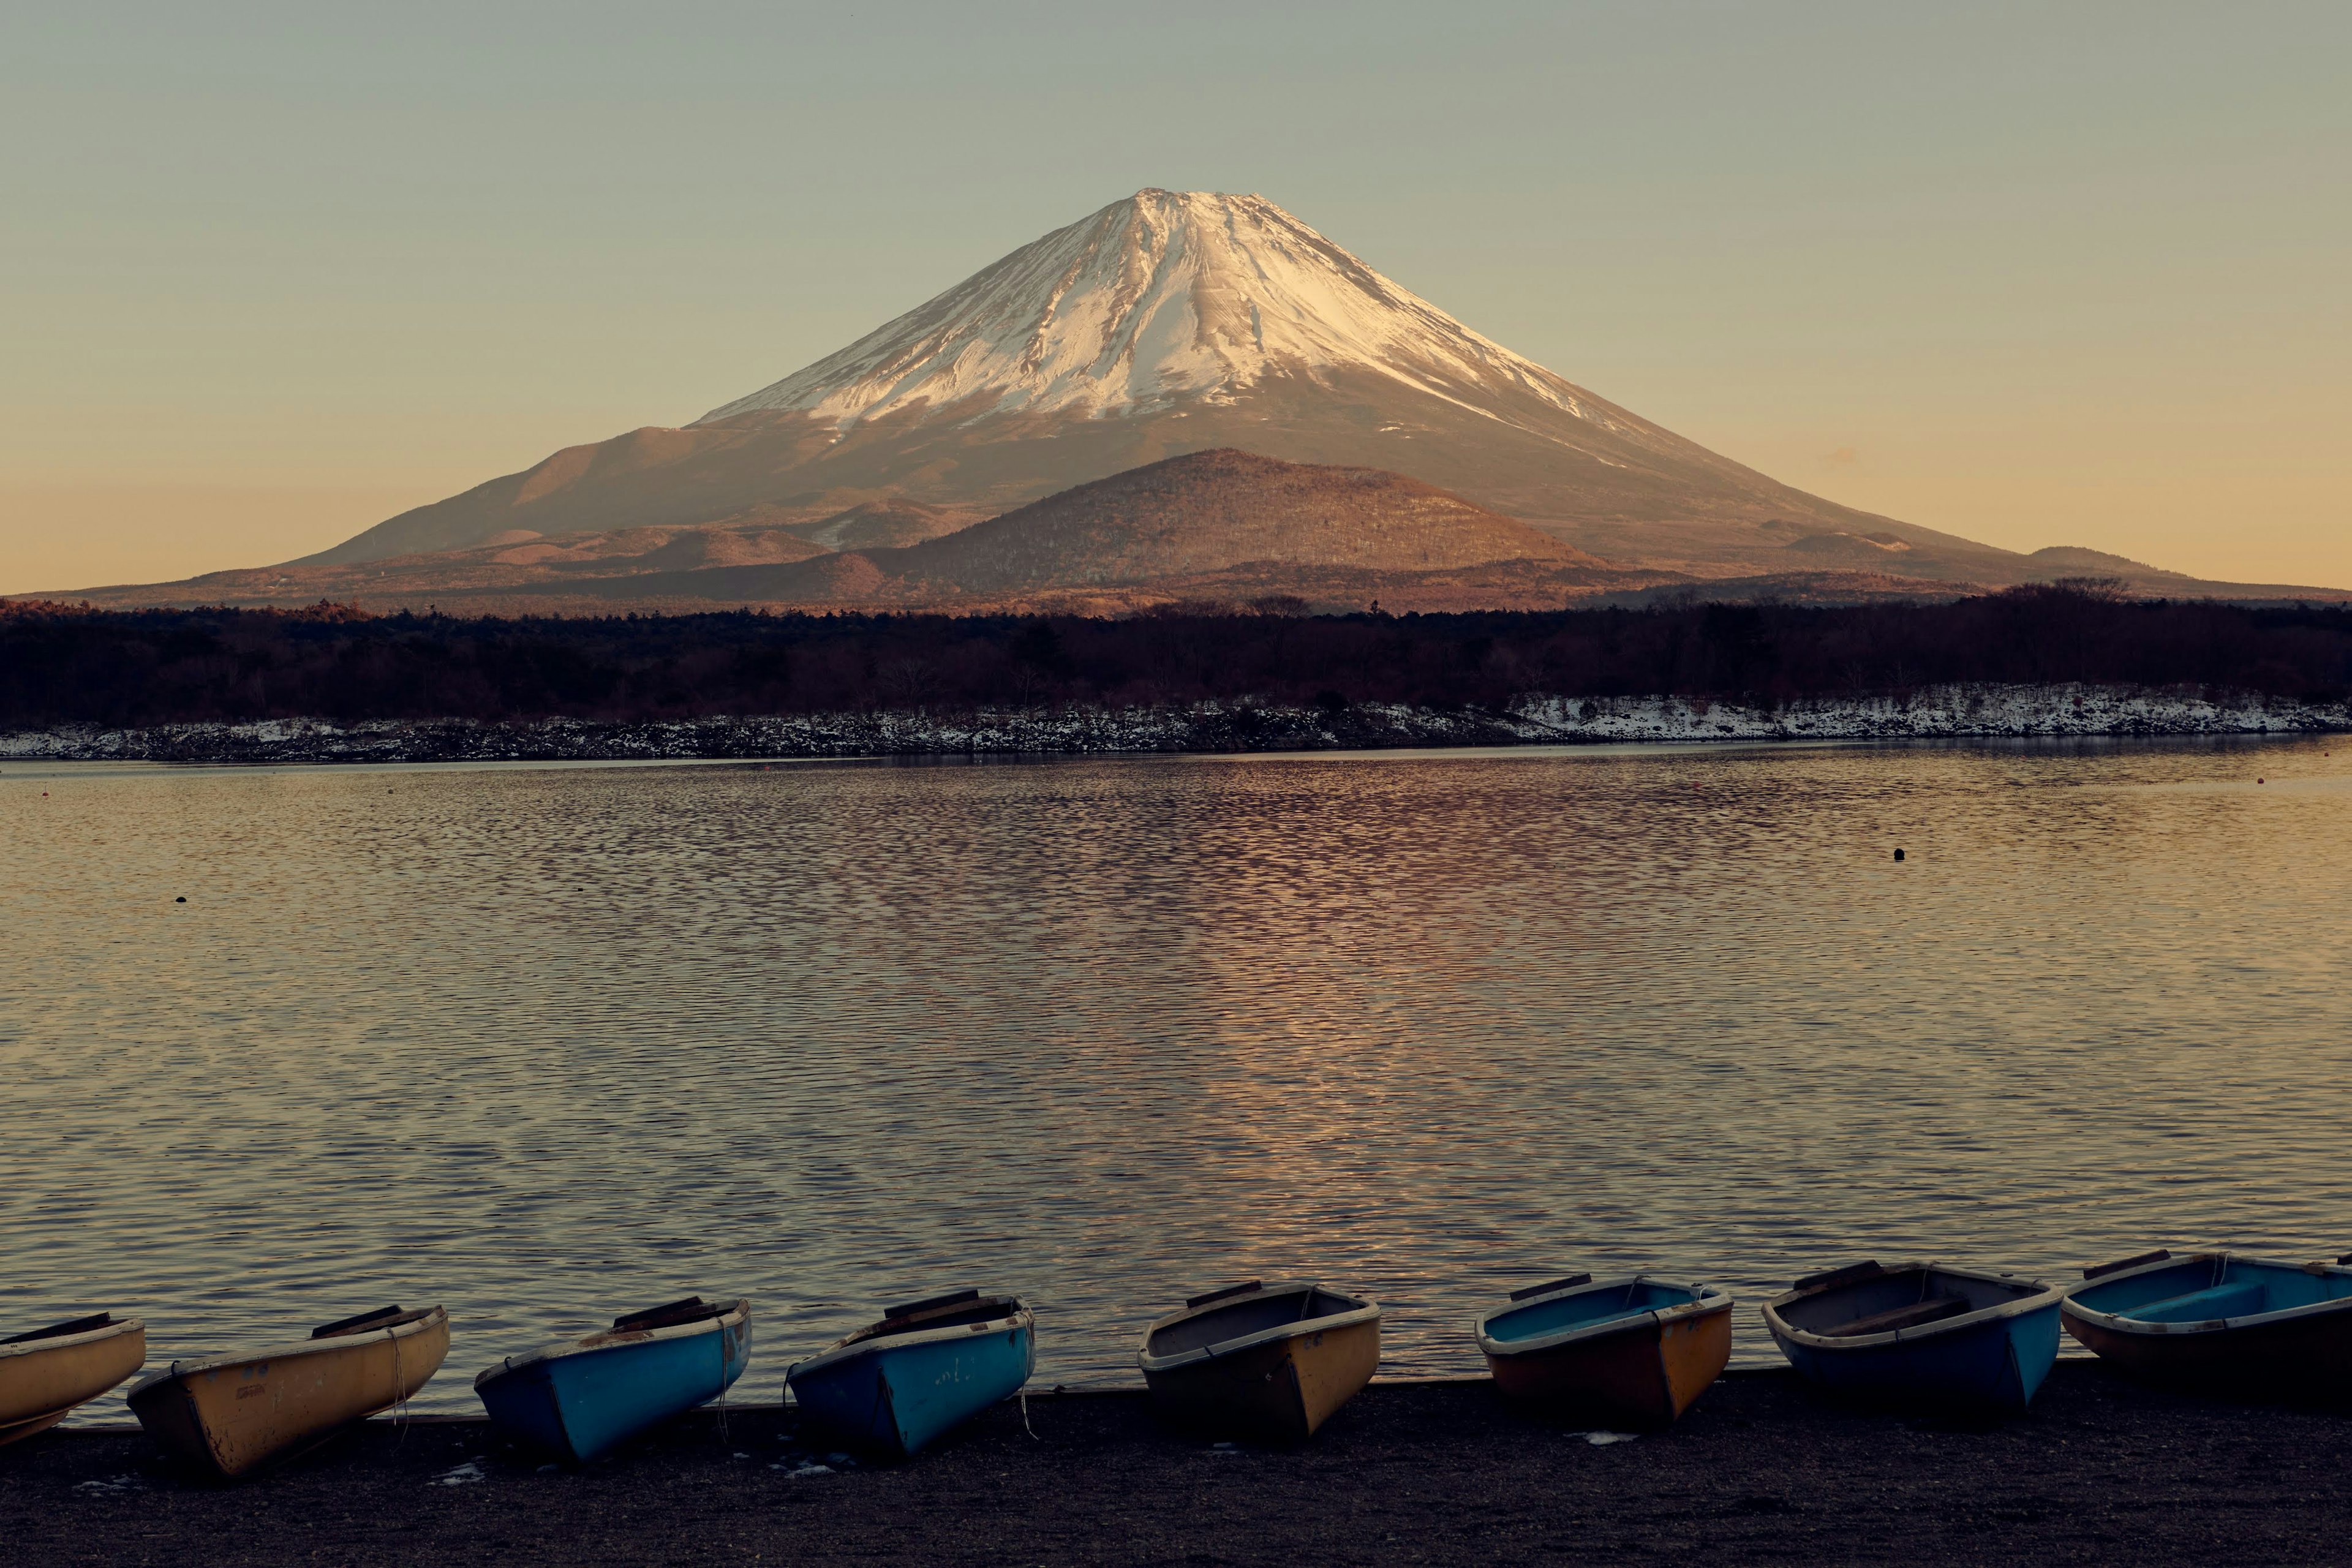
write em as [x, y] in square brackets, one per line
[1932, 713]
[1764, 1469]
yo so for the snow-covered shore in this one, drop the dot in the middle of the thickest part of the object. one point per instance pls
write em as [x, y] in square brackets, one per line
[1931, 713]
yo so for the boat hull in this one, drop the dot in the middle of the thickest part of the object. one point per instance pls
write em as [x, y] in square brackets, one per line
[1269, 1363]
[1640, 1377]
[1996, 1368]
[2275, 1332]
[895, 1395]
[579, 1400]
[231, 1417]
[1276, 1393]
[2312, 1358]
[1987, 1360]
[43, 1380]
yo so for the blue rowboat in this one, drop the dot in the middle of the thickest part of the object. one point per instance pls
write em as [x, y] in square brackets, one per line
[579, 1398]
[1921, 1335]
[895, 1386]
[2224, 1323]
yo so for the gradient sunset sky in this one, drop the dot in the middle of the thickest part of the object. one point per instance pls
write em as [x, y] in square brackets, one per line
[2036, 274]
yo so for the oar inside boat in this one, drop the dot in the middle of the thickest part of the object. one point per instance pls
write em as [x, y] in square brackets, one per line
[1921, 1334]
[1632, 1351]
[1265, 1363]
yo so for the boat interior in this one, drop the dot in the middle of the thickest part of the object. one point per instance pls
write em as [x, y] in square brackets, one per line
[939, 1313]
[1247, 1310]
[1586, 1307]
[60, 1330]
[1850, 1304]
[2206, 1286]
[669, 1314]
[369, 1323]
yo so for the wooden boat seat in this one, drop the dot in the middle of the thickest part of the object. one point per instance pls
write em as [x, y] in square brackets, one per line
[2203, 1306]
[1934, 1310]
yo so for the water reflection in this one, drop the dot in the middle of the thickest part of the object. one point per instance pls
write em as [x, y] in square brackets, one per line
[545, 1044]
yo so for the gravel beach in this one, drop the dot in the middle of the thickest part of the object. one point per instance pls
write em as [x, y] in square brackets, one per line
[1763, 1469]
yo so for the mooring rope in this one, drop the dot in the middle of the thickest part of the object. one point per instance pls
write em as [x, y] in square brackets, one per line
[399, 1390]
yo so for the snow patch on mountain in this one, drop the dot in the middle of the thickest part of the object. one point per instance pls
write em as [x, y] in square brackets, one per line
[1161, 296]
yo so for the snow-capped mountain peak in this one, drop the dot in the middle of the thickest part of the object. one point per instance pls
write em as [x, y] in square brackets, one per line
[1164, 295]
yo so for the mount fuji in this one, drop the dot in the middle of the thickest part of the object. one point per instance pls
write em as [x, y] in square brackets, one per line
[1278, 417]
[1167, 322]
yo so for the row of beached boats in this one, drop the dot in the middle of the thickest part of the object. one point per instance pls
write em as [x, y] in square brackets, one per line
[1256, 1361]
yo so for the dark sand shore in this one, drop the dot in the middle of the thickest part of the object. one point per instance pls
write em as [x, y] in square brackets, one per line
[1763, 1470]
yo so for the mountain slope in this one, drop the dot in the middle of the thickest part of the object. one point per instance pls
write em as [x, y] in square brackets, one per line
[1164, 323]
[1210, 510]
[1185, 518]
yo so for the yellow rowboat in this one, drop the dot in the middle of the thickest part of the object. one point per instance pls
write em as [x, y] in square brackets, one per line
[231, 1414]
[1268, 1362]
[45, 1374]
[1632, 1351]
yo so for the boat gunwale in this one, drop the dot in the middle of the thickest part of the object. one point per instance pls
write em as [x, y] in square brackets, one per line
[68, 1342]
[1366, 1310]
[739, 1311]
[2144, 1328]
[850, 1346]
[174, 1371]
[1707, 1300]
[2040, 1296]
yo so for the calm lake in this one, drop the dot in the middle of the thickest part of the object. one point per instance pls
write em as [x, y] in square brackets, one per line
[545, 1044]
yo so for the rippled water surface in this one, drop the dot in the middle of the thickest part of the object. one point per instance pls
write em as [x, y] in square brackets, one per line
[547, 1043]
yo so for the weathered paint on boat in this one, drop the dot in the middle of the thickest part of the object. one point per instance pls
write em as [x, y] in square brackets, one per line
[1631, 1351]
[2227, 1324]
[46, 1372]
[895, 1386]
[1921, 1335]
[1266, 1362]
[579, 1398]
[232, 1415]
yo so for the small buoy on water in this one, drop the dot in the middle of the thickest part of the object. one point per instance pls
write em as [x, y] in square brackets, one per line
[2262, 781]
[1898, 854]
[181, 899]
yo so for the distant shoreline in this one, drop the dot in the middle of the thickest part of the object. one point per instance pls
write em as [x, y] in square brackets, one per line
[1946, 712]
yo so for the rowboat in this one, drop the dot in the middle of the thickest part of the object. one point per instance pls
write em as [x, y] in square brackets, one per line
[47, 1372]
[1631, 1351]
[231, 1414]
[579, 1398]
[1266, 1362]
[1921, 1334]
[2226, 1323]
[895, 1386]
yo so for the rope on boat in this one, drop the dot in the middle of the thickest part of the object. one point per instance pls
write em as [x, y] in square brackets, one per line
[399, 1391]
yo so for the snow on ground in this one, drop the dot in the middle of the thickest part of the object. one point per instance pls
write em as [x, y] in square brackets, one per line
[1933, 712]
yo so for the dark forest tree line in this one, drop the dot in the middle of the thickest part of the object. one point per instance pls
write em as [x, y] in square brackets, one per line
[61, 666]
